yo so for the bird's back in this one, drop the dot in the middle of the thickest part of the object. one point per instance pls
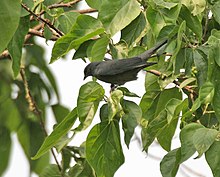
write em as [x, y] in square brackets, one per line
[119, 71]
[112, 67]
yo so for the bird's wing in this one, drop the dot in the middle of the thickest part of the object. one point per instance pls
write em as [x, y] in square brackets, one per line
[113, 67]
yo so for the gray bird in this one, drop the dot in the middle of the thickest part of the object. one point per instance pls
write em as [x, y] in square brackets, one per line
[118, 72]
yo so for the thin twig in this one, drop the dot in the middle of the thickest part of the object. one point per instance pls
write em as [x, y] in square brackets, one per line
[69, 4]
[33, 108]
[28, 36]
[206, 24]
[53, 6]
[84, 11]
[187, 88]
[40, 34]
[5, 55]
[43, 20]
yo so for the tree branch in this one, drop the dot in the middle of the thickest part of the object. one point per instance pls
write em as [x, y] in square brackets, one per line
[47, 22]
[33, 108]
[69, 4]
[5, 55]
[53, 6]
[84, 11]
[40, 34]
[187, 88]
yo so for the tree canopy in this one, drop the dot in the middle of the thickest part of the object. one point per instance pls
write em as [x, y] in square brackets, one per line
[190, 62]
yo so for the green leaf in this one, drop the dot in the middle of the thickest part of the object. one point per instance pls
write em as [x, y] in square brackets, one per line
[47, 33]
[181, 30]
[5, 148]
[153, 129]
[214, 39]
[119, 50]
[203, 138]
[170, 163]
[10, 117]
[152, 92]
[39, 165]
[196, 6]
[201, 64]
[82, 169]
[115, 16]
[213, 158]
[60, 112]
[155, 117]
[213, 58]
[114, 105]
[216, 101]
[84, 29]
[90, 94]
[103, 148]
[186, 139]
[98, 49]
[9, 20]
[59, 131]
[155, 20]
[51, 171]
[215, 10]
[30, 146]
[166, 96]
[206, 93]
[126, 92]
[195, 106]
[81, 52]
[173, 109]
[216, 53]
[28, 3]
[164, 4]
[130, 119]
[66, 159]
[135, 30]
[104, 113]
[67, 20]
[187, 82]
[167, 32]
[96, 4]
[16, 44]
[192, 22]
[135, 51]
[170, 15]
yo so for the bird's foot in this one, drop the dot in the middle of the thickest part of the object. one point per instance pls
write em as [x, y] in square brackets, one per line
[113, 87]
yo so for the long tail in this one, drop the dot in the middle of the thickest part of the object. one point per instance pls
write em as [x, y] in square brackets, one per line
[147, 54]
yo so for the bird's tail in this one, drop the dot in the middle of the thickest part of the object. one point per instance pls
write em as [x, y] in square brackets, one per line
[147, 54]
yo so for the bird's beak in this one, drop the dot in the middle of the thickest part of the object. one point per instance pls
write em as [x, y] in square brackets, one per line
[84, 77]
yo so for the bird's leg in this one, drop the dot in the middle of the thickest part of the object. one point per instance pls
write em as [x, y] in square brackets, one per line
[113, 87]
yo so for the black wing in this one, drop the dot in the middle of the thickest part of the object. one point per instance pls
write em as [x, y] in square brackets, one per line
[113, 67]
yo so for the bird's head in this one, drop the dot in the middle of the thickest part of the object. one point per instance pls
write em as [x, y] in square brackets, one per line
[89, 69]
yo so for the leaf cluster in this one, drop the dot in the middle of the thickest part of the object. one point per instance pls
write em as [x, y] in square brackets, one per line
[181, 92]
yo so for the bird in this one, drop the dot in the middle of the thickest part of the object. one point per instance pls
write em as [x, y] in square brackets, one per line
[119, 71]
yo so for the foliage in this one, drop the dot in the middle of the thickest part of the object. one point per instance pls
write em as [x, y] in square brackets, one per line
[191, 61]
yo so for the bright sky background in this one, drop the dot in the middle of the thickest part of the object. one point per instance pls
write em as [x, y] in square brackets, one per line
[69, 76]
